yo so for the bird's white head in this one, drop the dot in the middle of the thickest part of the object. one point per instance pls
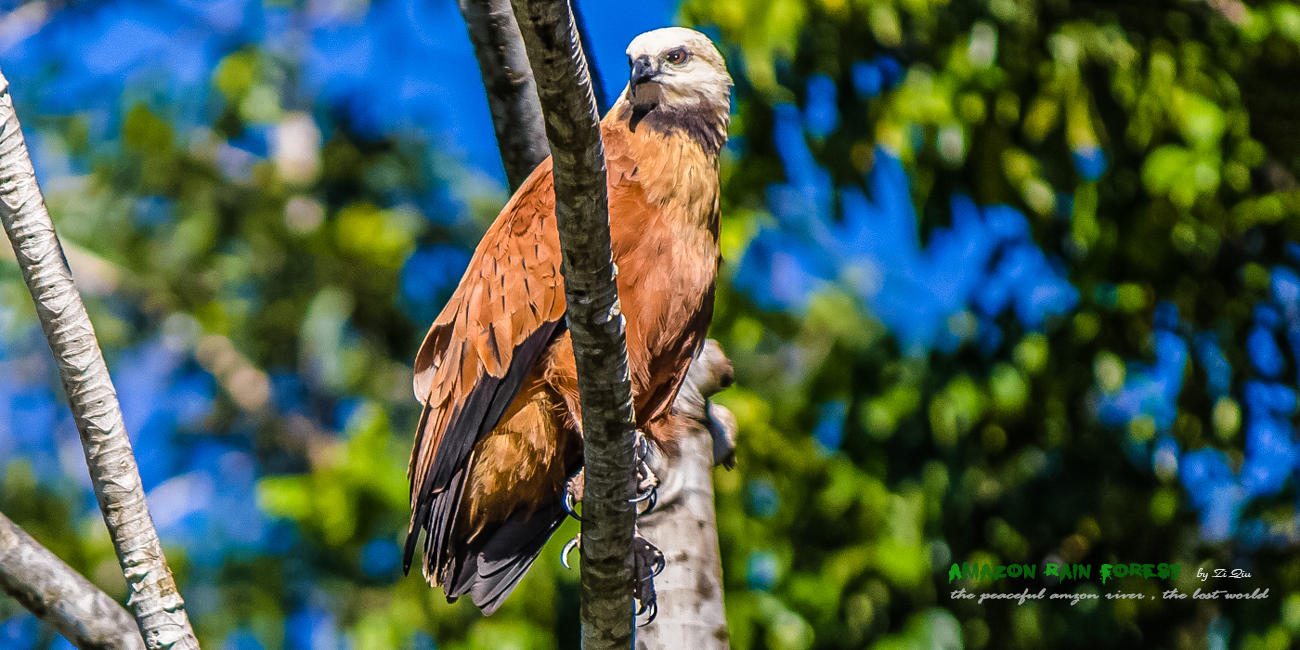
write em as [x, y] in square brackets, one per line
[677, 68]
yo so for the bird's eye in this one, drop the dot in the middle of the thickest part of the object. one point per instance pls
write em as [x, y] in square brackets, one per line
[676, 57]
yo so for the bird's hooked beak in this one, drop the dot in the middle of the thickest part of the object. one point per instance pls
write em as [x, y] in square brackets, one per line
[643, 70]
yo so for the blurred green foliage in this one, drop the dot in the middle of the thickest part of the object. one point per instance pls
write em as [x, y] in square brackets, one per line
[1000, 458]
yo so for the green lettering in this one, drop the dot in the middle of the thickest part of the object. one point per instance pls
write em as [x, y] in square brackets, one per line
[1083, 570]
[1051, 570]
[1162, 571]
[970, 571]
[1120, 570]
[1135, 569]
[1030, 570]
[1105, 573]
[954, 573]
[1067, 571]
[986, 572]
[1148, 570]
[1014, 571]
[1000, 574]
[1173, 570]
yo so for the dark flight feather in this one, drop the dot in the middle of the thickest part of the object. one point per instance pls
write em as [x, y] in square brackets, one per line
[481, 413]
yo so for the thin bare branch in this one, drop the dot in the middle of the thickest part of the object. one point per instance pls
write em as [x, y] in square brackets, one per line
[683, 525]
[594, 318]
[157, 606]
[511, 91]
[60, 596]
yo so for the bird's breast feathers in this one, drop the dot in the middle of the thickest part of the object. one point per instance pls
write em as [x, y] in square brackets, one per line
[663, 207]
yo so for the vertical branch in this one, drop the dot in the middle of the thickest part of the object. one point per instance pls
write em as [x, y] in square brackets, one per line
[594, 318]
[593, 70]
[154, 600]
[511, 91]
[684, 525]
[58, 595]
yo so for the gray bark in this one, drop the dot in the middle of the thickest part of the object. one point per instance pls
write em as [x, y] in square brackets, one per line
[594, 317]
[511, 90]
[58, 595]
[157, 606]
[683, 525]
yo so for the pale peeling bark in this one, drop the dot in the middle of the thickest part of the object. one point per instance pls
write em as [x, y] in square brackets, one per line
[511, 91]
[60, 596]
[595, 321]
[683, 525]
[157, 606]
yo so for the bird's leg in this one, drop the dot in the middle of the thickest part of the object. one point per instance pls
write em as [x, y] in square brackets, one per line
[647, 484]
[573, 494]
[647, 562]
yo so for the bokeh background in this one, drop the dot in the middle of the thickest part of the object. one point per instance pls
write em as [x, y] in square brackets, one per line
[1005, 281]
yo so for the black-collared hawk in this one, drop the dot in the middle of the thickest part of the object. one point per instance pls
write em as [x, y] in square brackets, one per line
[500, 434]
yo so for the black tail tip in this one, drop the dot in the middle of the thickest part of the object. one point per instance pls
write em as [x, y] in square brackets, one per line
[408, 553]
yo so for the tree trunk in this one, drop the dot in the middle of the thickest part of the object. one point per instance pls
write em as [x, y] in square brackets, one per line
[683, 524]
[58, 595]
[511, 90]
[594, 318]
[154, 600]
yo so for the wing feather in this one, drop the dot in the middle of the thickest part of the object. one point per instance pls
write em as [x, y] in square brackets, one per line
[477, 354]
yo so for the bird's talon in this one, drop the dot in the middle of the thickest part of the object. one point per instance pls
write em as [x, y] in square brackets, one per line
[650, 498]
[647, 484]
[570, 505]
[568, 548]
[573, 494]
[649, 562]
[654, 612]
[650, 495]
